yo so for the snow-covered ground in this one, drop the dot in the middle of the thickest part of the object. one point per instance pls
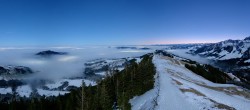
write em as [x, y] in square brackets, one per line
[24, 90]
[247, 61]
[233, 77]
[71, 82]
[50, 93]
[180, 89]
[226, 55]
[5, 90]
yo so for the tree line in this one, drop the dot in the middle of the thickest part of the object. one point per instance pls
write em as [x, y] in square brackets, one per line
[209, 72]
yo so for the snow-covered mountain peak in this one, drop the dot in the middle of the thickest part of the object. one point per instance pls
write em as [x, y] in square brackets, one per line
[247, 38]
[229, 42]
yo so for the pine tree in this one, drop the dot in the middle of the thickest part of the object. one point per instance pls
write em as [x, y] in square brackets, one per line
[81, 96]
[105, 97]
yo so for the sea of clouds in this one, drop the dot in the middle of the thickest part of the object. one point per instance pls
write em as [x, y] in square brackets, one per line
[61, 66]
[72, 64]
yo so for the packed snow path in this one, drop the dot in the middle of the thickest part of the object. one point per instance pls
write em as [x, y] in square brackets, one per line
[177, 88]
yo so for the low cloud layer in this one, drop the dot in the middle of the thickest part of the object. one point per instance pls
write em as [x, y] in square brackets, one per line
[60, 66]
[183, 53]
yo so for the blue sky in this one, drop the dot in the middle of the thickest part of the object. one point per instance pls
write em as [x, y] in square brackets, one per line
[120, 22]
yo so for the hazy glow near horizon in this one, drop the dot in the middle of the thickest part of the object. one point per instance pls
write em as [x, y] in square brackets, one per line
[178, 42]
[121, 22]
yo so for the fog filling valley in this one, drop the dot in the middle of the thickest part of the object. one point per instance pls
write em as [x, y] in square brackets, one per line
[61, 66]
[184, 53]
[72, 64]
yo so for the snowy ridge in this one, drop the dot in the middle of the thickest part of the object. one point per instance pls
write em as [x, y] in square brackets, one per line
[181, 89]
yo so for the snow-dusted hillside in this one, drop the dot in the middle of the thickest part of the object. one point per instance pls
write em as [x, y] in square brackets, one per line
[14, 70]
[177, 88]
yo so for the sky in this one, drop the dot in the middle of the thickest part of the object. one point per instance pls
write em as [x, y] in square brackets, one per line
[121, 22]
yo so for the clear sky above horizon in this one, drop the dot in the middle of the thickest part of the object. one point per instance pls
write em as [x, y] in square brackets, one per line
[120, 22]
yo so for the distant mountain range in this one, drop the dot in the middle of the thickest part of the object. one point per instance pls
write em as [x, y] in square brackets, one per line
[231, 55]
[226, 50]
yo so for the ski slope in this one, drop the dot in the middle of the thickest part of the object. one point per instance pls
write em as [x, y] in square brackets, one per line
[177, 88]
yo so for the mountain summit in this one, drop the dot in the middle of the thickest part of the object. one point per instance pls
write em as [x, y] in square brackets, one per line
[50, 53]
